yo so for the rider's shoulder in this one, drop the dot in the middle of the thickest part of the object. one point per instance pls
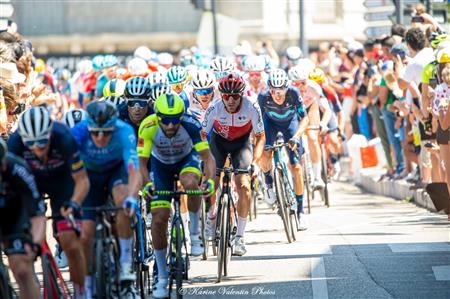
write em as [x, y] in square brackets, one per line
[149, 121]
[190, 121]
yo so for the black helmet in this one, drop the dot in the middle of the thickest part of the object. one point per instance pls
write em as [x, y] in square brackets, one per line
[137, 88]
[101, 114]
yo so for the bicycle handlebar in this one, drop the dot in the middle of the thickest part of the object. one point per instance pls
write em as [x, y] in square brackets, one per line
[176, 193]
[235, 171]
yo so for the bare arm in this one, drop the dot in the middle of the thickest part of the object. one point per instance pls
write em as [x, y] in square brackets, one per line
[302, 126]
[82, 186]
[209, 162]
[259, 147]
[134, 182]
[143, 162]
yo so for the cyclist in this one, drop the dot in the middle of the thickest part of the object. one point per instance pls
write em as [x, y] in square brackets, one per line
[108, 72]
[177, 77]
[171, 139]
[315, 104]
[283, 111]
[203, 93]
[21, 200]
[108, 148]
[52, 154]
[221, 66]
[114, 87]
[233, 120]
[73, 116]
[255, 76]
[136, 107]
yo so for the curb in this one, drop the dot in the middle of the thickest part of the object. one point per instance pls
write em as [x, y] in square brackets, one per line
[399, 190]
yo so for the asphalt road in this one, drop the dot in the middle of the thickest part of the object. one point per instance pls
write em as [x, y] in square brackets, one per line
[363, 246]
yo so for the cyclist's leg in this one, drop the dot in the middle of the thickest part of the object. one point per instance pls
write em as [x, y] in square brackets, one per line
[266, 159]
[313, 140]
[15, 234]
[217, 146]
[190, 176]
[162, 176]
[241, 158]
[95, 198]
[60, 192]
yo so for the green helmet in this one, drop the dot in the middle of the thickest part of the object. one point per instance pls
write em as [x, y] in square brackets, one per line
[169, 104]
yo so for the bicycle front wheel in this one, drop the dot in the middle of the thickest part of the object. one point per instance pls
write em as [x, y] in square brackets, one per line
[281, 193]
[223, 242]
[324, 173]
[179, 264]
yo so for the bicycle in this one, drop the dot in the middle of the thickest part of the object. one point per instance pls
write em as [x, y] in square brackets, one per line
[284, 189]
[142, 253]
[308, 192]
[106, 267]
[226, 220]
[6, 289]
[178, 264]
[54, 285]
[257, 190]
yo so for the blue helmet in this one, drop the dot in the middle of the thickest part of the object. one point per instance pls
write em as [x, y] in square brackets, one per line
[109, 61]
[97, 62]
[101, 114]
[176, 74]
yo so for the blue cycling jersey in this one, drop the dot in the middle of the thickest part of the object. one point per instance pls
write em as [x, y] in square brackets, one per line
[183, 95]
[121, 148]
[63, 156]
[284, 113]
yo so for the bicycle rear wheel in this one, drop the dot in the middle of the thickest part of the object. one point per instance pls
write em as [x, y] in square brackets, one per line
[142, 268]
[6, 291]
[202, 229]
[281, 193]
[51, 288]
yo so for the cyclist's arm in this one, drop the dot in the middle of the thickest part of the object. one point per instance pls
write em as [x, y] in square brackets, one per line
[260, 140]
[130, 158]
[326, 109]
[209, 162]
[146, 133]
[79, 173]
[302, 126]
[258, 130]
[208, 121]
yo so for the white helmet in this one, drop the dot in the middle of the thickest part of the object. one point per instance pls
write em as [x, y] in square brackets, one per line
[158, 77]
[221, 64]
[277, 78]
[116, 100]
[85, 66]
[159, 89]
[73, 116]
[143, 52]
[35, 123]
[306, 63]
[165, 58]
[254, 64]
[299, 73]
[137, 66]
[202, 79]
[294, 53]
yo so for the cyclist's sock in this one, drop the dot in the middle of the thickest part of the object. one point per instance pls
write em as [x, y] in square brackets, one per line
[241, 222]
[194, 228]
[126, 246]
[268, 179]
[316, 170]
[299, 203]
[160, 257]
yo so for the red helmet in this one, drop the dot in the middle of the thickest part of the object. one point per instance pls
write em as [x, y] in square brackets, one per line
[232, 84]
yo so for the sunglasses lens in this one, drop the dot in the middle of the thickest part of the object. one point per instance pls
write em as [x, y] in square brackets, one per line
[39, 142]
[228, 97]
[137, 103]
[203, 92]
[170, 120]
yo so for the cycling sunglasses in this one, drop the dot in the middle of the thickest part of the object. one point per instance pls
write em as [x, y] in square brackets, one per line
[299, 83]
[254, 74]
[179, 85]
[204, 92]
[41, 142]
[137, 103]
[101, 131]
[167, 120]
[228, 96]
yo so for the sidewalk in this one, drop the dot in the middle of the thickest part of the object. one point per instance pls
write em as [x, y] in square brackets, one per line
[369, 181]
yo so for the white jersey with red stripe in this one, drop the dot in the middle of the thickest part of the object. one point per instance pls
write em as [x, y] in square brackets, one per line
[232, 126]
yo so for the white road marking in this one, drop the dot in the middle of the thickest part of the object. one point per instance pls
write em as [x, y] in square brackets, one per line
[424, 247]
[318, 279]
[441, 273]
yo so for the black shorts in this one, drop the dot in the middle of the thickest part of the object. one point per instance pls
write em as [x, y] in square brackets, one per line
[442, 137]
[15, 227]
[240, 150]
